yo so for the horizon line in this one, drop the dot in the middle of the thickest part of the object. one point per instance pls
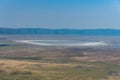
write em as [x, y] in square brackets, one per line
[56, 28]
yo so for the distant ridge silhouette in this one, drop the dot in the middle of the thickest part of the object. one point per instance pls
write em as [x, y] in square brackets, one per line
[60, 31]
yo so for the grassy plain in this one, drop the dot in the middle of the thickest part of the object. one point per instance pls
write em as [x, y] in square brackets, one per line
[29, 62]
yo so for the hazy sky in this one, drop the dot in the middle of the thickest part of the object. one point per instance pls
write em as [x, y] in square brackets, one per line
[60, 13]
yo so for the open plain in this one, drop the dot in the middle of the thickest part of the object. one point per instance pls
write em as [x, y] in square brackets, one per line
[21, 61]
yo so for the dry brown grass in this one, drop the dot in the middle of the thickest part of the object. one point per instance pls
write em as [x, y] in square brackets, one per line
[16, 64]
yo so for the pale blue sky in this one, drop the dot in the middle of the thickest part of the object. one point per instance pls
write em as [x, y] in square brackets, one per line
[60, 13]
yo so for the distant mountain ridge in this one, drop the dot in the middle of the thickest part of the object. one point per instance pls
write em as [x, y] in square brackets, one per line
[59, 31]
